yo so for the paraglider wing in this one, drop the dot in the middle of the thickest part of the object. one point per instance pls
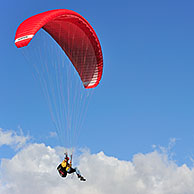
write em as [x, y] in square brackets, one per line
[74, 35]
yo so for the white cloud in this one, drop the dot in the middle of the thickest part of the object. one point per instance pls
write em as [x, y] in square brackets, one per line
[13, 139]
[52, 134]
[33, 170]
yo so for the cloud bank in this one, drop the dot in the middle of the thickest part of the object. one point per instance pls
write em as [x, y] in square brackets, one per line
[33, 170]
[13, 139]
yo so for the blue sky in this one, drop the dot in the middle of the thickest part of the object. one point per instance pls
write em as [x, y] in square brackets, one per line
[146, 95]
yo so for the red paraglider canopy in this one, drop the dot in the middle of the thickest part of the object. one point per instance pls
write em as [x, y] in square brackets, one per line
[75, 36]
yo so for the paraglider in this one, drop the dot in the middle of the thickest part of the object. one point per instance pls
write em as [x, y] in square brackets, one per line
[76, 38]
[74, 35]
[66, 168]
